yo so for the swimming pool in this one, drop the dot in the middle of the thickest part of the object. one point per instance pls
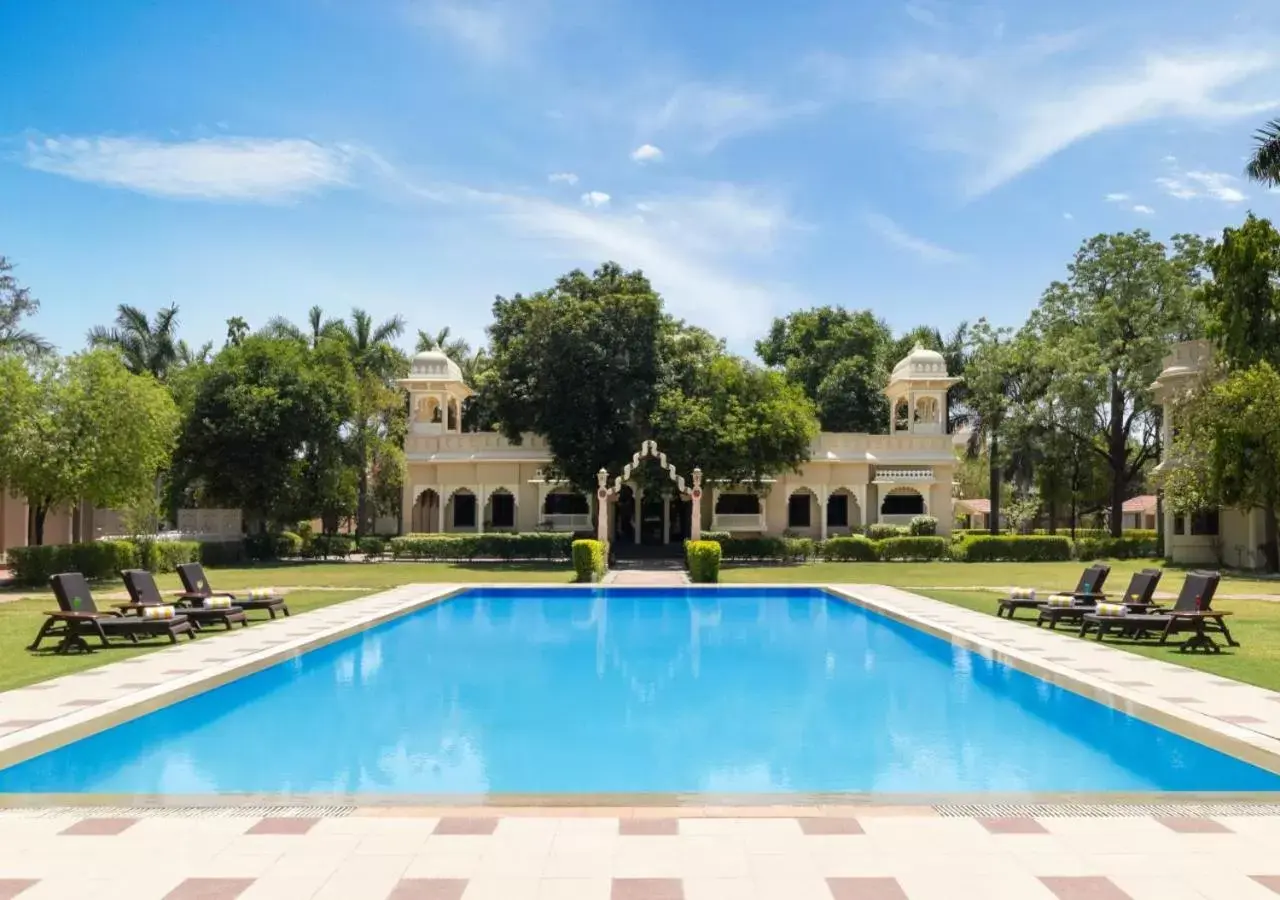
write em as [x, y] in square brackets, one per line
[620, 691]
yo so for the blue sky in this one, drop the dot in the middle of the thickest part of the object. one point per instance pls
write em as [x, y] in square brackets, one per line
[934, 160]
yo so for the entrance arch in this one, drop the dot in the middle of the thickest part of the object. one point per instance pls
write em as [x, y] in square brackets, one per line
[648, 450]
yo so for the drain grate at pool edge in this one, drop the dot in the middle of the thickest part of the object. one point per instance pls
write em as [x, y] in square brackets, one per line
[1104, 810]
[179, 812]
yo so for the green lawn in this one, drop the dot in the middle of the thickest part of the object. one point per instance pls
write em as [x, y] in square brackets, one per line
[993, 576]
[21, 619]
[1254, 623]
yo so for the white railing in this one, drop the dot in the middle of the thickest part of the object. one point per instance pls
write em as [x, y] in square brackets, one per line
[737, 522]
[884, 473]
[566, 521]
[898, 519]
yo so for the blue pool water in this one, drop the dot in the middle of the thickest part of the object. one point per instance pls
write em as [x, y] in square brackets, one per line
[571, 691]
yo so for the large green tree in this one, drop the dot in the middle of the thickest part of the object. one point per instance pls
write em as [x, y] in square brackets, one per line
[16, 304]
[1227, 450]
[264, 430]
[992, 373]
[1243, 298]
[579, 364]
[840, 358]
[1103, 333]
[83, 428]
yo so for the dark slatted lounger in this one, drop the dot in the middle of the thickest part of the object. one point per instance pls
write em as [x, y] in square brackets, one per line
[196, 590]
[1191, 613]
[1089, 588]
[144, 592]
[1137, 598]
[78, 616]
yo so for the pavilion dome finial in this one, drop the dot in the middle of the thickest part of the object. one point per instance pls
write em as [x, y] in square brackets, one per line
[921, 363]
[435, 364]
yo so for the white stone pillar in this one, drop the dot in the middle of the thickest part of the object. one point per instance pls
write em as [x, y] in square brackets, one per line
[638, 494]
[823, 494]
[481, 503]
[695, 507]
[860, 492]
[542, 504]
[666, 518]
[715, 496]
[442, 501]
[602, 506]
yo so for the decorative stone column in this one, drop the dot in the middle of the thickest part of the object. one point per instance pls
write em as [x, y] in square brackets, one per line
[638, 493]
[441, 502]
[860, 492]
[481, 502]
[666, 518]
[823, 495]
[602, 507]
[695, 507]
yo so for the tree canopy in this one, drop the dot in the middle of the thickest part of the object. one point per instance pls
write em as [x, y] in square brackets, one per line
[16, 304]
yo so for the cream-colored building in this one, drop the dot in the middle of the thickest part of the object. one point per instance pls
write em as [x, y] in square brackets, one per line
[1216, 537]
[478, 482]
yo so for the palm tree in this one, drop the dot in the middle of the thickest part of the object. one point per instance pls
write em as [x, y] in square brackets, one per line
[147, 346]
[376, 362]
[318, 327]
[16, 302]
[1264, 164]
[456, 349]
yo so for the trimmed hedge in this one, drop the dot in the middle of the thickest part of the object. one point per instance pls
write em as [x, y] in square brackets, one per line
[323, 546]
[850, 549]
[223, 553]
[166, 556]
[548, 545]
[1127, 547]
[32, 566]
[879, 531]
[913, 548]
[923, 526]
[1013, 548]
[373, 547]
[589, 560]
[703, 560]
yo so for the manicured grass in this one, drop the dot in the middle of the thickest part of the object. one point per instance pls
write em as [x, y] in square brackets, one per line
[21, 619]
[1254, 623]
[994, 575]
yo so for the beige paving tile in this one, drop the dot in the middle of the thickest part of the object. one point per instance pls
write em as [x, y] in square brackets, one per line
[485, 887]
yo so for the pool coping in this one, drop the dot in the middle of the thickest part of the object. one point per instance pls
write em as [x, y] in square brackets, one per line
[239, 654]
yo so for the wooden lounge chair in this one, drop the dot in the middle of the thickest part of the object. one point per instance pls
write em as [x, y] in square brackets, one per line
[78, 616]
[144, 593]
[196, 590]
[1191, 612]
[1136, 598]
[1089, 588]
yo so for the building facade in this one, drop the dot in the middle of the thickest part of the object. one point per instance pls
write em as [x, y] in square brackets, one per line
[460, 482]
[1214, 537]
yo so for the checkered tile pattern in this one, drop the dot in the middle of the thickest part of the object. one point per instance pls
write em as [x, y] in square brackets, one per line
[637, 854]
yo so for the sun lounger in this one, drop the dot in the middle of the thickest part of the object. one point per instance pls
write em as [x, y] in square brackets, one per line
[196, 590]
[1137, 598]
[1191, 612]
[1089, 588]
[145, 594]
[78, 616]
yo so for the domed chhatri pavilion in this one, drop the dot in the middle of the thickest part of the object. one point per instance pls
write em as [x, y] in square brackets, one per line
[477, 482]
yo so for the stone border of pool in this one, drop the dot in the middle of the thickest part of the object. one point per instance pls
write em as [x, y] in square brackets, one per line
[44, 716]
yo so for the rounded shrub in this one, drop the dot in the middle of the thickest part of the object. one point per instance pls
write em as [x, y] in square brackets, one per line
[914, 548]
[879, 531]
[850, 549]
[589, 558]
[703, 560]
[923, 526]
[1013, 548]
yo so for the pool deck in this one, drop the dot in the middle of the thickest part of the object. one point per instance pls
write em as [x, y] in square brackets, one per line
[632, 848]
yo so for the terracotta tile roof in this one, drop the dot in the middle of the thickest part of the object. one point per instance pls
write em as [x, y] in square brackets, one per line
[1145, 503]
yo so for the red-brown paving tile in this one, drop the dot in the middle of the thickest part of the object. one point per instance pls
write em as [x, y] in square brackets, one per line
[210, 889]
[829, 825]
[465, 825]
[1194, 826]
[1271, 882]
[429, 889]
[866, 889]
[285, 825]
[1013, 826]
[12, 887]
[647, 889]
[1090, 887]
[99, 826]
[635, 826]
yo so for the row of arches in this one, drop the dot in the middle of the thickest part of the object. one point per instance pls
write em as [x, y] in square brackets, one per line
[463, 512]
[431, 410]
[843, 510]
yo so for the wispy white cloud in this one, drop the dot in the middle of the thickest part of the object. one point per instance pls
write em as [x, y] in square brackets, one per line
[595, 199]
[1009, 109]
[1116, 198]
[235, 169]
[897, 236]
[707, 115]
[646, 153]
[1067, 216]
[721, 217]
[1201, 185]
[568, 178]
[923, 14]
[486, 29]
[1142, 209]
[1127, 202]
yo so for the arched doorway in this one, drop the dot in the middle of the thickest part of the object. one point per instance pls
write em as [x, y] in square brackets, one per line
[660, 512]
[425, 518]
